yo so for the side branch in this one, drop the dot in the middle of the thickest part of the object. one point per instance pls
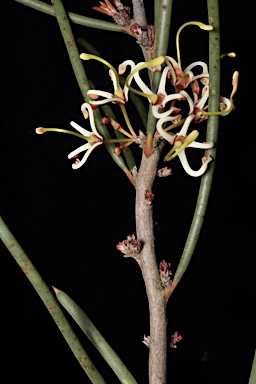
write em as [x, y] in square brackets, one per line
[77, 19]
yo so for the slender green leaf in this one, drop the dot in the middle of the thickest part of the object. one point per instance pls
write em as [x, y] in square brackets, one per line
[95, 337]
[50, 303]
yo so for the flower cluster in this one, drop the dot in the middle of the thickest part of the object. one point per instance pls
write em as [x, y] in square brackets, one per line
[180, 100]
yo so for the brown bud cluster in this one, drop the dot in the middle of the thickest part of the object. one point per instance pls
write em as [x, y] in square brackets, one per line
[164, 172]
[129, 247]
[165, 273]
[175, 338]
[149, 197]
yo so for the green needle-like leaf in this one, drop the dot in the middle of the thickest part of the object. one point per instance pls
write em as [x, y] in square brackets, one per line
[252, 379]
[163, 12]
[81, 77]
[50, 302]
[212, 135]
[96, 338]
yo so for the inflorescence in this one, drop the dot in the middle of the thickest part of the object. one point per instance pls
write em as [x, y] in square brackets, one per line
[181, 99]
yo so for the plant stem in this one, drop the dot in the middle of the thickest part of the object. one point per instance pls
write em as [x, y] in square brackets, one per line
[212, 135]
[149, 268]
[50, 303]
[162, 20]
[77, 19]
[139, 14]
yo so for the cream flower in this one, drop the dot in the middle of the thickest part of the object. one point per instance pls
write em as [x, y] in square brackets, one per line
[181, 141]
[93, 138]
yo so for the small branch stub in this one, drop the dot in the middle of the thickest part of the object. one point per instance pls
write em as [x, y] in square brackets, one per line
[164, 172]
[165, 274]
[149, 197]
[146, 341]
[175, 338]
[130, 247]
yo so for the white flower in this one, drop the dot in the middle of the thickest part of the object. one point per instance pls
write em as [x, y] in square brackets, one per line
[94, 138]
[181, 141]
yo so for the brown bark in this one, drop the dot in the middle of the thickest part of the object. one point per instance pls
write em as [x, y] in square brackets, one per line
[149, 268]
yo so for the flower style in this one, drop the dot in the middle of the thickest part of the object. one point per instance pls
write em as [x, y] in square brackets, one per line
[181, 141]
[94, 139]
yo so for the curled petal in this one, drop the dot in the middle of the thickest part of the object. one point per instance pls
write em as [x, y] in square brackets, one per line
[122, 67]
[205, 161]
[196, 63]
[185, 80]
[225, 104]
[234, 83]
[78, 150]
[196, 144]
[160, 115]
[204, 77]
[175, 65]
[113, 78]
[167, 136]
[174, 96]
[78, 163]
[190, 101]
[140, 82]
[109, 97]
[171, 75]
[96, 92]
[201, 102]
[184, 129]
[91, 117]
[162, 83]
[115, 100]
[205, 80]
[81, 130]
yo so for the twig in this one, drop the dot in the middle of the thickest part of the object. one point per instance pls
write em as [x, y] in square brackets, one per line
[139, 14]
[77, 19]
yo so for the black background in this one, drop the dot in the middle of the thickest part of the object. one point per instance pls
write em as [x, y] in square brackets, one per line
[69, 222]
